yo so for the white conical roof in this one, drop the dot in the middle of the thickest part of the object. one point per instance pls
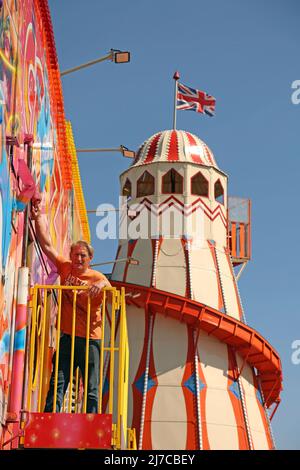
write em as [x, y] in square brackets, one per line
[172, 146]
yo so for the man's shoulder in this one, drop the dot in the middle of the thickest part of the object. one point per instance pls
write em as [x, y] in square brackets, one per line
[63, 259]
[62, 263]
[97, 275]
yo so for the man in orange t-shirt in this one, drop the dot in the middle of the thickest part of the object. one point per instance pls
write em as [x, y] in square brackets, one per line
[75, 272]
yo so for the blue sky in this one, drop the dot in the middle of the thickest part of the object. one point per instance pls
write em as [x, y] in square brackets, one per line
[246, 54]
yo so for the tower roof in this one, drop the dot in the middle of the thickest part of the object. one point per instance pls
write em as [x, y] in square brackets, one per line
[173, 146]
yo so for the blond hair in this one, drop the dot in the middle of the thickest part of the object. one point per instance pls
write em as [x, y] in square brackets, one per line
[86, 245]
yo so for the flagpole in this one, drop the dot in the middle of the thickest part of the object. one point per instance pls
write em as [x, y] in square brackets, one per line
[176, 78]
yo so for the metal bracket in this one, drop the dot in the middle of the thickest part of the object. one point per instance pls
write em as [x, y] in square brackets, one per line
[237, 277]
[12, 140]
[275, 409]
[28, 139]
[19, 434]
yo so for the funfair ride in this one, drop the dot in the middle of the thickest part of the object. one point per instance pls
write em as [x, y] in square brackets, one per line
[201, 377]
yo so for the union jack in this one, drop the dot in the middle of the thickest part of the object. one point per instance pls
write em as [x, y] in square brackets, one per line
[195, 100]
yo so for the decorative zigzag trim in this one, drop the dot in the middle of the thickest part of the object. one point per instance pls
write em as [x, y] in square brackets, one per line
[158, 209]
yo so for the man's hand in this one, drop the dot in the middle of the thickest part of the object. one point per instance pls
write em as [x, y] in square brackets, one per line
[35, 210]
[96, 288]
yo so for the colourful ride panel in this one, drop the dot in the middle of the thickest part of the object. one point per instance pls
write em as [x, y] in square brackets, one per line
[68, 431]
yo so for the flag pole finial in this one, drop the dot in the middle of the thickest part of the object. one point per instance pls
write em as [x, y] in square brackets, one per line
[176, 77]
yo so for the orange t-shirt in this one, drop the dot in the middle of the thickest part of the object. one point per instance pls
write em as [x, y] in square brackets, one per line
[89, 278]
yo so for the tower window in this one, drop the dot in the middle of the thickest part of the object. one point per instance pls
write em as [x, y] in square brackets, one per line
[145, 185]
[172, 183]
[127, 189]
[199, 185]
[219, 192]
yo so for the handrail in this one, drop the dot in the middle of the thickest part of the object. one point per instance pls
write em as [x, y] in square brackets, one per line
[115, 344]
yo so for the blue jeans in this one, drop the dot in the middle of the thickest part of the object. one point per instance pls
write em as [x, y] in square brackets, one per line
[63, 377]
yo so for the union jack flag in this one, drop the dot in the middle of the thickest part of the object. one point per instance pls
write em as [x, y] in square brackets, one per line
[195, 100]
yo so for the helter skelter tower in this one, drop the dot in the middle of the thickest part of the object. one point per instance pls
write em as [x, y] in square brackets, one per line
[200, 377]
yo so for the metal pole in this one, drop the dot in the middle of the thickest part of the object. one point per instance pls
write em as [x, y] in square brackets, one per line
[106, 210]
[18, 356]
[87, 64]
[111, 262]
[176, 78]
[198, 402]
[26, 213]
[119, 149]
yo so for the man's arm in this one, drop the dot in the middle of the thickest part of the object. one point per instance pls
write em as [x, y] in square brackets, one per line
[42, 234]
[97, 287]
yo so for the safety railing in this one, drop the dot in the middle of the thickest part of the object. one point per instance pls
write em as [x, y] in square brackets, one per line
[239, 229]
[45, 338]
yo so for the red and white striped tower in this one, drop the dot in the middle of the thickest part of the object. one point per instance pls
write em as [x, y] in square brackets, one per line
[200, 377]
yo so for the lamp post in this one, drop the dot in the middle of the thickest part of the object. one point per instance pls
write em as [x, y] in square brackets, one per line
[129, 260]
[122, 149]
[115, 55]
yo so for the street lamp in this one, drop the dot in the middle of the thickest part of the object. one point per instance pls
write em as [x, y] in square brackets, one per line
[129, 260]
[122, 149]
[120, 57]
[115, 55]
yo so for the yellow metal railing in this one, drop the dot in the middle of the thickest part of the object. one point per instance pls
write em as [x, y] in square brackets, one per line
[131, 439]
[113, 349]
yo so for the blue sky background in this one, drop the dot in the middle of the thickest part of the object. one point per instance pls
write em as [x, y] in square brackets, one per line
[246, 54]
